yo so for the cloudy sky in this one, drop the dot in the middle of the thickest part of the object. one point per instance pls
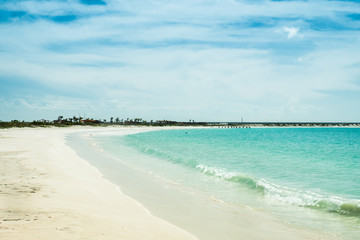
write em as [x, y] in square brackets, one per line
[208, 60]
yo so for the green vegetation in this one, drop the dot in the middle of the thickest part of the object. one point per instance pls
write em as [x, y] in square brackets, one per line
[79, 121]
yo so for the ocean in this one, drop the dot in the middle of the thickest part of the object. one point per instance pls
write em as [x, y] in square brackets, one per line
[305, 177]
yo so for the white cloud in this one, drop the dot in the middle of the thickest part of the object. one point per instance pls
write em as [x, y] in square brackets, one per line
[292, 32]
[189, 57]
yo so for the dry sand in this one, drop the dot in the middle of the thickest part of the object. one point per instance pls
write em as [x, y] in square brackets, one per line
[48, 192]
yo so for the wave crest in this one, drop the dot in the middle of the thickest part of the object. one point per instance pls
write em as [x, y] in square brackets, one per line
[288, 195]
[284, 194]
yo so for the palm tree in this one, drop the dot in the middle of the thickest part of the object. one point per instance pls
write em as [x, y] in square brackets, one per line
[60, 119]
[75, 119]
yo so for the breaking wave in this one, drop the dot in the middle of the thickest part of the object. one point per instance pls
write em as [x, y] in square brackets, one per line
[291, 196]
[332, 204]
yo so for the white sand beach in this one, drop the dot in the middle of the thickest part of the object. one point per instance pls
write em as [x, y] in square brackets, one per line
[48, 192]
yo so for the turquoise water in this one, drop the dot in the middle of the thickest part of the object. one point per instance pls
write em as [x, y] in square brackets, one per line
[313, 173]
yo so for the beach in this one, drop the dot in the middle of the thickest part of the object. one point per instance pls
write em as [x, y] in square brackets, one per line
[49, 192]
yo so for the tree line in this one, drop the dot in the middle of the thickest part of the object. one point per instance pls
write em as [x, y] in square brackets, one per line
[61, 121]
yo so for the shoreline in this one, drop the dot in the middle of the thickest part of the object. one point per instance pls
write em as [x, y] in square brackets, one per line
[203, 216]
[48, 192]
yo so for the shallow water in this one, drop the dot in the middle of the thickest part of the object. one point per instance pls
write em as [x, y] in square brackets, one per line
[307, 177]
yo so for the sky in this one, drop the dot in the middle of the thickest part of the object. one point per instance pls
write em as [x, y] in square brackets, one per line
[206, 60]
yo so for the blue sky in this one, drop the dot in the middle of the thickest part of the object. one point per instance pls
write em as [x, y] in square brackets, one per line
[213, 60]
